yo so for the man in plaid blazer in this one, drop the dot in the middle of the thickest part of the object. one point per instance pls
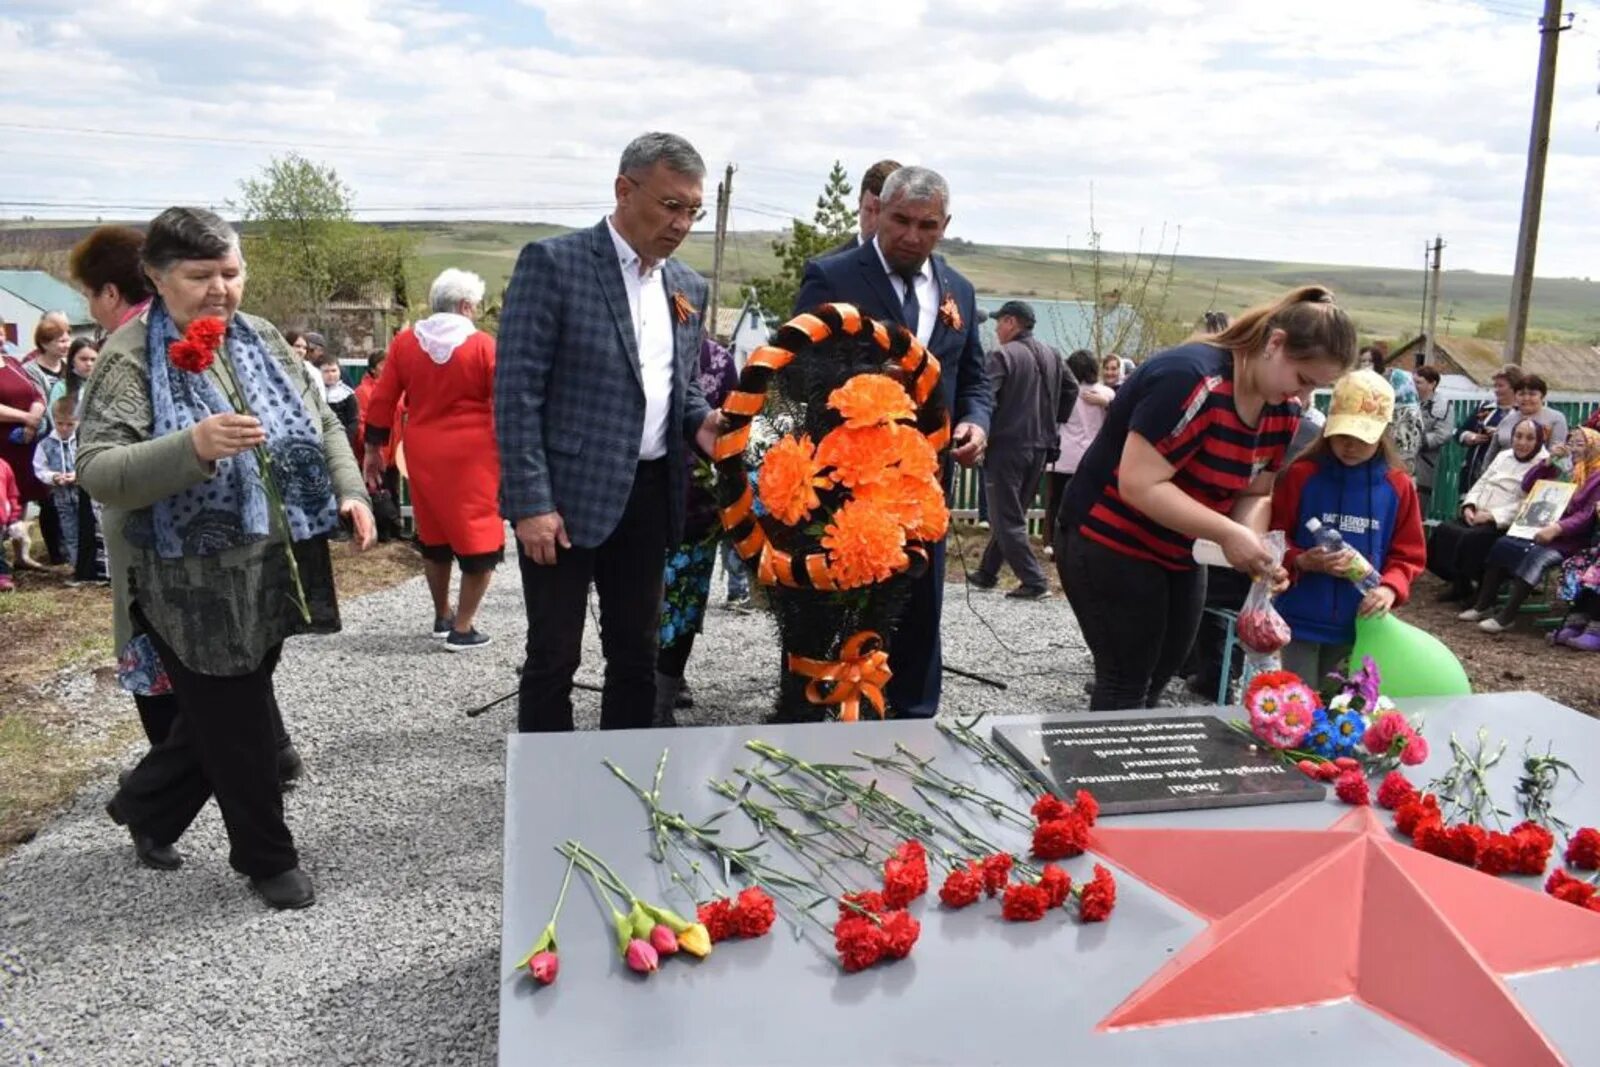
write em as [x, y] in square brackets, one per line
[596, 400]
[897, 278]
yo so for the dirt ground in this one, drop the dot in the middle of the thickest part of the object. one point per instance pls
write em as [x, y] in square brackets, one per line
[58, 680]
[1521, 658]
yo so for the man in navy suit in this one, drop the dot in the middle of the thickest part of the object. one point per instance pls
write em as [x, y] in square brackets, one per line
[596, 400]
[896, 277]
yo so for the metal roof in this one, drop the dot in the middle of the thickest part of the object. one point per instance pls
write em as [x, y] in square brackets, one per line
[47, 293]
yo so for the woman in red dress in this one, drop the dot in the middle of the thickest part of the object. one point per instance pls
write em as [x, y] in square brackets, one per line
[444, 369]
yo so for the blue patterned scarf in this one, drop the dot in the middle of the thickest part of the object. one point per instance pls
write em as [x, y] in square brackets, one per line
[231, 508]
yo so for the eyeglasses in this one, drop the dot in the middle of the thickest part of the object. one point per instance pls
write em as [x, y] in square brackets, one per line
[694, 212]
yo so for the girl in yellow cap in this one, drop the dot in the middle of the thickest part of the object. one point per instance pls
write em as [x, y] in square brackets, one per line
[1352, 481]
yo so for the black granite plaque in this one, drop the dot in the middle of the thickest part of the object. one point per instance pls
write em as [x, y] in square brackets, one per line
[1153, 764]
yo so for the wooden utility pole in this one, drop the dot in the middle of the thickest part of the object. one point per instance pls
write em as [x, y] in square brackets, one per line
[1433, 303]
[724, 194]
[1550, 28]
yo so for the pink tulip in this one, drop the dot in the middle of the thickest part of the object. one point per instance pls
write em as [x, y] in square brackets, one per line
[663, 940]
[543, 967]
[642, 957]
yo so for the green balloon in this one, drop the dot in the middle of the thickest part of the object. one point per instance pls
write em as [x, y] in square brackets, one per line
[1413, 662]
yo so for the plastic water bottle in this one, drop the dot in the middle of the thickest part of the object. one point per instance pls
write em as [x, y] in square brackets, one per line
[1360, 571]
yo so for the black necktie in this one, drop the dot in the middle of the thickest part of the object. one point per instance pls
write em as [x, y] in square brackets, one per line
[911, 309]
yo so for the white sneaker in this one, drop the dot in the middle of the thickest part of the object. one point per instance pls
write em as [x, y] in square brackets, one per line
[1470, 615]
[1492, 626]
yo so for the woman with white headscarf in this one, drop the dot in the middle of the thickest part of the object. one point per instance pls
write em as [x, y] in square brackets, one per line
[444, 368]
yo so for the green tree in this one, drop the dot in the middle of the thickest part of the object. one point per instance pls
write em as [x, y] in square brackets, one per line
[305, 248]
[833, 221]
[1492, 328]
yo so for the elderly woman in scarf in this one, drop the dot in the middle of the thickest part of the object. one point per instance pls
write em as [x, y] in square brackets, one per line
[1521, 562]
[214, 563]
[1458, 549]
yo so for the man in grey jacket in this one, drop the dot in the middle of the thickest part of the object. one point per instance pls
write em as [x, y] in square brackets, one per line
[1032, 395]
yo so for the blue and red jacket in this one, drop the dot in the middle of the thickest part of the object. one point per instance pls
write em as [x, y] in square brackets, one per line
[1374, 507]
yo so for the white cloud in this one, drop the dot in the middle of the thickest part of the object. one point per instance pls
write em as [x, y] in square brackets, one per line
[1348, 134]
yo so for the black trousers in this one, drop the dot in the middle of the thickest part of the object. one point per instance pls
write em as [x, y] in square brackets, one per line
[91, 562]
[1138, 619]
[626, 570]
[1055, 488]
[223, 742]
[1011, 477]
[50, 530]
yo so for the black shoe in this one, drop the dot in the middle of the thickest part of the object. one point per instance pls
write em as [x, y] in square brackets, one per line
[981, 580]
[442, 625]
[290, 765]
[1029, 592]
[286, 891]
[460, 642]
[157, 857]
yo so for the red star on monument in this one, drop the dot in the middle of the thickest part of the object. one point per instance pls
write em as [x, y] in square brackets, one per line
[1418, 939]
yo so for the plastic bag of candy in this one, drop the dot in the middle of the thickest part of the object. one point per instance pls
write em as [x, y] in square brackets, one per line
[1261, 629]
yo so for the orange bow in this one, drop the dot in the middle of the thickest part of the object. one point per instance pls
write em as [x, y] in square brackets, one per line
[857, 675]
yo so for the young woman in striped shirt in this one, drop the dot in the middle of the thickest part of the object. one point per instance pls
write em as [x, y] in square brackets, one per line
[1189, 450]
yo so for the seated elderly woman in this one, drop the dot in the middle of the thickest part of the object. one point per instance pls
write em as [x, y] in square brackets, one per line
[1459, 549]
[1523, 562]
[213, 565]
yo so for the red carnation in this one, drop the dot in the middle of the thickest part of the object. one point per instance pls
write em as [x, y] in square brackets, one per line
[1420, 809]
[717, 917]
[1087, 806]
[1563, 886]
[1097, 897]
[1394, 790]
[1583, 850]
[1024, 903]
[1415, 750]
[996, 871]
[1056, 883]
[1458, 844]
[911, 851]
[186, 355]
[962, 886]
[1060, 839]
[903, 882]
[754, 912]
[859, 942]
[1351, 787]
[1050, 807]
[899, 932]
[1384, 729]
[867, 902]
[1498, 854]
[207, 333]
[1534, 843]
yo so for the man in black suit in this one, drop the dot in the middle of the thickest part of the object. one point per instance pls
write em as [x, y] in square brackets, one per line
[896, 277]
[867, 205]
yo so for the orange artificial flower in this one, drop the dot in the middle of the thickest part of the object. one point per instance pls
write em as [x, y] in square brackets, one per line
[914, 455]
[860, 456]
[865, 544]
[917, 504]
[872, 400]
[789, 480]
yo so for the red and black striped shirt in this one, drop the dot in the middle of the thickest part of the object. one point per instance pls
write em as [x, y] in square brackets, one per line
[1181, 401]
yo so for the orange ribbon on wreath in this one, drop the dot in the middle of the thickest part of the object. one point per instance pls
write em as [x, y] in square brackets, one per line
[859, 674]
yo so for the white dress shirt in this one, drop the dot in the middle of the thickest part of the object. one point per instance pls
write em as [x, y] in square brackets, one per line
[927, 293]
[652, 332]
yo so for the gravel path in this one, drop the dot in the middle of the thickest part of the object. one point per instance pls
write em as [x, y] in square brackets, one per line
[398, 819]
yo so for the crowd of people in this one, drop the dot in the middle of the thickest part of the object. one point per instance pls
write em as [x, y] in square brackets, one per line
[206, 490]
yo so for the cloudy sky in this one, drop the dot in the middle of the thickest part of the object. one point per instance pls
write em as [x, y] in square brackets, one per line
[1344, 132]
